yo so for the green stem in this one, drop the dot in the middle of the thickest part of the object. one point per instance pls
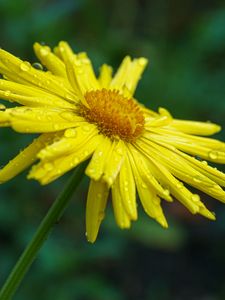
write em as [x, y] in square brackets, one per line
[42, 233]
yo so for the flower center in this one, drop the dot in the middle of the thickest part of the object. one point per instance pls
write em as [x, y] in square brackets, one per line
[114, 115]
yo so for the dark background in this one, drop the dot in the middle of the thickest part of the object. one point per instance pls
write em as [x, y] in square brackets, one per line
[185, 43]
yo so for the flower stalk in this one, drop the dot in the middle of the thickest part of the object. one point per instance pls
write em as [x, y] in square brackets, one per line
[53, 216]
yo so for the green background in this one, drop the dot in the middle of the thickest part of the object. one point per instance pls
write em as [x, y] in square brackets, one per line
[185, 44]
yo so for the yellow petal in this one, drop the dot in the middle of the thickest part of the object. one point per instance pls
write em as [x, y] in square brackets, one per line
[36, 120]
[144, 170]
[79, 71]
[25, 158]
[96, 166]
[210, 149]
[95, 208]
[114, 162]
[73, 139]
[198, 128]
[204, 168]
[121, 216]
[22, 72]
[30, 96]
[127, 189]
[119, 79]
[50, 60]
[47, 171]
[134, 73]
[185, 173]
[105, 76]
[148, 197]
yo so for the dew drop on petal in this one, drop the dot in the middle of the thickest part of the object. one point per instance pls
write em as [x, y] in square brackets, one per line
[86, 128]
[179, 185]
[213, 154]
[144, 186]
[197, 179]
[25, 66]
[37, 66]
[195, 198]
[56, 126]
[2, 106]
[76, 160]
[69, 116]
[166, 192]
[71, 132]
[43, 52]
[101, 216]
[7, 93]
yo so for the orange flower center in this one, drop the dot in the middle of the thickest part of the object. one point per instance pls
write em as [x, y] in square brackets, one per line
[114, 115]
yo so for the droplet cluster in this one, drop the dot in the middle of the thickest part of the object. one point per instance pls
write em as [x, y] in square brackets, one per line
[114, 115]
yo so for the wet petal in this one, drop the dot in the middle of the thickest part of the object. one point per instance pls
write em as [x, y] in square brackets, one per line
[105, 76]
[50, 60]
[30, 96]
[148, 197]
[47, 171]
[25, 158]
[95, 208]
[121, 216]
[127, 189]
[36, 120]
[22, 72]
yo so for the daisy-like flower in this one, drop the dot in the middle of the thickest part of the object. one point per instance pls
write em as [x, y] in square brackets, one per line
[80, 116]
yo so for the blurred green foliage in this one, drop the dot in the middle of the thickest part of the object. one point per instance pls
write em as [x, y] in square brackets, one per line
[185, 43]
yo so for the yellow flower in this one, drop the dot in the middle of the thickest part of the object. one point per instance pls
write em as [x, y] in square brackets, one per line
[130, 147]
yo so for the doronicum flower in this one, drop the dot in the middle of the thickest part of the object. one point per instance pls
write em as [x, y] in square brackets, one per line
[80, 116]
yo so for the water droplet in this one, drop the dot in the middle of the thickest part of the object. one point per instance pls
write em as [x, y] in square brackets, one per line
[77, 63]
[76, 160]
[44, 52]
[69, 96]
[25, 66]
[204, 162]
[71, 132]
[166, 192]
[100, 153]
[69, 116]
[101, 216]
[7, 93]
[197, 179]
[144, 186]
[91, 170]
[119, 151]
[86, 128]
[110, 180]
[213, 154]
[37, 66]
[56, 126]
[59, 171]
[2, 106]
[195, 198]
[179, 185]
[126, 183]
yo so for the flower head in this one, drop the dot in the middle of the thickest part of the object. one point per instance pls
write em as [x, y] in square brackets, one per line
[130, 147]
